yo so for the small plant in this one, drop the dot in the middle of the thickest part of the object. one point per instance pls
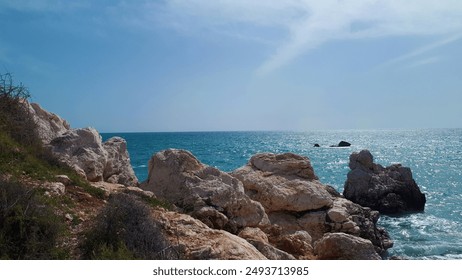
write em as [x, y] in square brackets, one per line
[28, 228]
[125, 229]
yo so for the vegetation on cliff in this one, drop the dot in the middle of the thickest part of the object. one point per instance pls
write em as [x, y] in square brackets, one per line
[35, 224]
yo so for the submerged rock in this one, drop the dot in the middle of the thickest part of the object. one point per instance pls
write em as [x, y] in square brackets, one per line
[390, 190]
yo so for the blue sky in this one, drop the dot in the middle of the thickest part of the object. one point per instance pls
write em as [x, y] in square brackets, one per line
[205, 65]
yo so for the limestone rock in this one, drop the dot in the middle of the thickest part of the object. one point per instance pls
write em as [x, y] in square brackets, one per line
[283, 182]
[56, 187]
[203, 243]
[82, 149]
[389, 190]
[118, 168]
[259, 240]
[341, 246]
[178, 177]
[64, 179]
[49, 125]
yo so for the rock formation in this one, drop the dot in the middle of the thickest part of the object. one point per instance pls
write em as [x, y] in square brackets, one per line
[275, 202]
[296, 201]
[118, 168]
[197, 241]
[49, 125]
[207, 193]
[341, 246]
[83, 149]
[390, 190]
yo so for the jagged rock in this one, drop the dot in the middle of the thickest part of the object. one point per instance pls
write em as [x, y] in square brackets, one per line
[178, 177]
[283, 182]
[82, 148]
[49, 125]
[341, 246]
[389, 190]
[118, 168]
[200, 242]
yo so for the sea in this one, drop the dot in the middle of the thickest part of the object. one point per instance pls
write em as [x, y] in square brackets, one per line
[434, 156]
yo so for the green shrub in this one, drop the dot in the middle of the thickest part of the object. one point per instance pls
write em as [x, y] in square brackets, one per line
[15, 117]
[125, 229]
[28, 228]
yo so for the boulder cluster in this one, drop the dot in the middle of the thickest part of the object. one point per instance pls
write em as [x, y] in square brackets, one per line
[274, 207]
[275, 202]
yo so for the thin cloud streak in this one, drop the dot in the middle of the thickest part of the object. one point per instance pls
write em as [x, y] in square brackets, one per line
[309, 24]
[424, 49]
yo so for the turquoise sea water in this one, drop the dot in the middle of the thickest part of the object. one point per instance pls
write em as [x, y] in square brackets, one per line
[434, 156]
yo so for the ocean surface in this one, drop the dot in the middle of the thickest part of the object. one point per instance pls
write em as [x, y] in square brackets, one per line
[434, 156]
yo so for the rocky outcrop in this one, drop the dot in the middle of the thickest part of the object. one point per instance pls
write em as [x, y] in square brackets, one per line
[81, 149]
[205, 192]
[118, 168]
[283, 182]
[341, 246]
[296, 201]
[197, 241]
[390, 190]
[84, 151]
[49, 125]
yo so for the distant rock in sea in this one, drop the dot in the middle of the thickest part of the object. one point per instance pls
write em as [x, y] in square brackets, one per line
[342, 144]
[390, 190]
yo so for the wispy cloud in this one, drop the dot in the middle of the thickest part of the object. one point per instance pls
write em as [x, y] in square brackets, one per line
[308, 24]
[290, 27]
[424, 50]
[425, 61]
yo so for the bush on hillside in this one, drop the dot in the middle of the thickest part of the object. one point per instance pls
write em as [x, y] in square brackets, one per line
[15, 117]
[28, 228]
[125, 229]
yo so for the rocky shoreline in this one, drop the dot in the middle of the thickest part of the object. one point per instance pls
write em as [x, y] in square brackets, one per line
[274, 207]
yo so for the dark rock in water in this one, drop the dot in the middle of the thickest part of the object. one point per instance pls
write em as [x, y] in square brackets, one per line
[344, 144]
[316, 145]
[390, 190]
[341, 144]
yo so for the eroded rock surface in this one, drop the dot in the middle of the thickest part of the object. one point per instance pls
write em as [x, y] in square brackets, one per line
[390, 190]
[178, 177]
[199, 242]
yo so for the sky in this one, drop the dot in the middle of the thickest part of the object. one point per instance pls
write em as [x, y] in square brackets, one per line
[234, 65]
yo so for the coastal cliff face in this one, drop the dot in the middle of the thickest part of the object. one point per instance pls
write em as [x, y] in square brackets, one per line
[272, 208]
